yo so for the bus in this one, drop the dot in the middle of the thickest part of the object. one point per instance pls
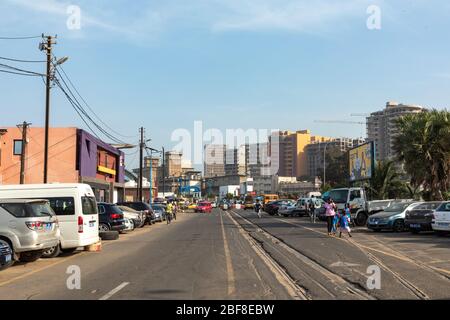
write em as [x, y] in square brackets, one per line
[270, 197]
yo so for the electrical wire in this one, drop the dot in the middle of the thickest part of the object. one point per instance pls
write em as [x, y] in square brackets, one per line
[21, 70]
[20, 60]
[75, 107]
[20, 38]
[89, 107]
[110, 136]
[76, 103]
[19, 73]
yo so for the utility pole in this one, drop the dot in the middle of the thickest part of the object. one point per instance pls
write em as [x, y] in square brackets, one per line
[141, 149]
[46, 45]
[24, 127]
[164, 172]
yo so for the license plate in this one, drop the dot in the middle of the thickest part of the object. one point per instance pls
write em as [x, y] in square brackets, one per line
[48, 226]
[415, 226]
[443, 224]
[91, 223]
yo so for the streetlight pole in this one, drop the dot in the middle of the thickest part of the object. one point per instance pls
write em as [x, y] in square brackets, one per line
[324, 162]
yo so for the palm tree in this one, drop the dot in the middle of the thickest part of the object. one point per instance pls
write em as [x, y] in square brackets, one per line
[386, 181]
[423, 145]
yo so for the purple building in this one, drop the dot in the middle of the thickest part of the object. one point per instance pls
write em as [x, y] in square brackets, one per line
[101, 166]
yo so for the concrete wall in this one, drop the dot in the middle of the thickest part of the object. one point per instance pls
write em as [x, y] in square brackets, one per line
[61, 156]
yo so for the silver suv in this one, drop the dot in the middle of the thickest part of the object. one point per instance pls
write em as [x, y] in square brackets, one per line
[27, 228]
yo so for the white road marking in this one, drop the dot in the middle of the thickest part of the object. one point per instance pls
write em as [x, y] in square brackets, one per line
[114, 291]
[230, 271]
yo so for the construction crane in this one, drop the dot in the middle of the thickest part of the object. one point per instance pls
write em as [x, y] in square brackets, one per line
[339, 121]
[360, 115]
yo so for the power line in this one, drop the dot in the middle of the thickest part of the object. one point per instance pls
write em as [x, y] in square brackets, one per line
[110, 136]
[19, 73]
[89, 107]
[78, 106]
[20, 38]
[21, 70]
[20, 60]
[75, 107]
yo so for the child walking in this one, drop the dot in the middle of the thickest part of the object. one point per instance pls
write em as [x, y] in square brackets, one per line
[344, 221]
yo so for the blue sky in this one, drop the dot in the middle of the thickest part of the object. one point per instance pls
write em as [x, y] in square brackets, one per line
[230, 63]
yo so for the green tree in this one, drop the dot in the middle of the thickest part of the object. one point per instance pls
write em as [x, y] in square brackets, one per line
[385, 182]
[423, 145]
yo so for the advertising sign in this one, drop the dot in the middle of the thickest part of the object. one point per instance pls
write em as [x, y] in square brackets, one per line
[362, 162]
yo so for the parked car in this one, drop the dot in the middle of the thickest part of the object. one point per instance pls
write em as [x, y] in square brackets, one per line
[204, 207]
[441, 222]
[273, 206]
[160, 212]
[141, 206]
[391, 218]
[137, 217]
[420, 218]
[110, 217]
[27, 228]
[129, 225]
[6, 258]
[75, 207]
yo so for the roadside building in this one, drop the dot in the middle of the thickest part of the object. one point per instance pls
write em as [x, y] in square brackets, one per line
[315, 152]
[381, 127]
[292, 186]
[74, 156]
[291, 149]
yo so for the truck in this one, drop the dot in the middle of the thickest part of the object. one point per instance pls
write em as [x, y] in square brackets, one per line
[360, 207]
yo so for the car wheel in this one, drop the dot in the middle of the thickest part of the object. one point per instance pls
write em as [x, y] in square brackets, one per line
[102, 227]
[52, 252]
[7, 244]
[399, 226]
[30, 256]
[361, 219]
[109, 235]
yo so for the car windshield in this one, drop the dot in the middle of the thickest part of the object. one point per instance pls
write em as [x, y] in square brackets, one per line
[428, 206]
[397, 207]
[89, 205]
[29, 210]
[444, 207]
[339, 196]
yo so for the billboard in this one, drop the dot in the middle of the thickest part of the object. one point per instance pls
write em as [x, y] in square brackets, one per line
[362, 162]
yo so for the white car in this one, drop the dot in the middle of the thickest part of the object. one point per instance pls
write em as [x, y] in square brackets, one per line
[441, 221]
[75, 207]
[129, 225]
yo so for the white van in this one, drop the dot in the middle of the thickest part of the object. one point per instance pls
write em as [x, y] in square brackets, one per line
[74, 205]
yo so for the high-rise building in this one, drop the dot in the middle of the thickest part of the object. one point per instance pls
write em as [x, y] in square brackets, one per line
[214, 160]
[315, 152]
[173, 163]
[292, 156]
[235, 161]
[381, 127]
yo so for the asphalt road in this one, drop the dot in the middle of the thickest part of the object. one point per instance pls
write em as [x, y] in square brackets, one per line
[235, 255]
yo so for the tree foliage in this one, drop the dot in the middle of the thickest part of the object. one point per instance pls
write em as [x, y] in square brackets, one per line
[423, 145]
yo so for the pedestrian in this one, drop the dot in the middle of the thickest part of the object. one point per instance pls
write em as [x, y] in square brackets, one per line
[335, 222]
[348, 214]
[169, 210]
[330, 212]
[174, 210]
[258, 208]
[344, 221]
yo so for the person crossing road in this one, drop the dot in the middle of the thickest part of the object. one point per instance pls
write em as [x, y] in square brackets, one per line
[169, 211]
[258, 208]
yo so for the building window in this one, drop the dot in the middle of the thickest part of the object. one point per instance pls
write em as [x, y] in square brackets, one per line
[17, 147]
